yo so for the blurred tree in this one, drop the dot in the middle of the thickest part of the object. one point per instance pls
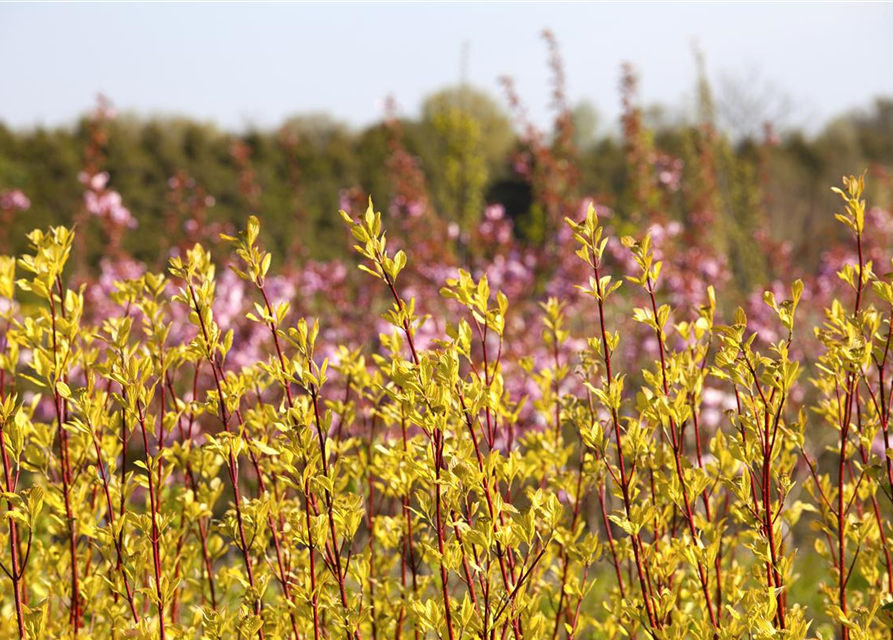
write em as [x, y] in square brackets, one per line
[480, 107]
[460, 191]
[746, 102]
[470, 155]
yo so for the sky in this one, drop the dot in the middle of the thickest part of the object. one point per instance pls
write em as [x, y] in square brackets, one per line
[253, 65]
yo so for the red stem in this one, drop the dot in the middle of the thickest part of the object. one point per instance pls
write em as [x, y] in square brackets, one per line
[16, 573]
[677, 455]
[156, 515]
[618, 439]
[232, 465]
[75, 607]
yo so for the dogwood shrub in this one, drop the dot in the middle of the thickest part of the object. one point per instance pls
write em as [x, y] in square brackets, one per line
[624, 452]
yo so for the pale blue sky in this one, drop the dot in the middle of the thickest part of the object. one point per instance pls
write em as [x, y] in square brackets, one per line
[253, 64]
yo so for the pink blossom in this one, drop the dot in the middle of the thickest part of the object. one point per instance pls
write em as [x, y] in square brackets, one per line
[494, 212]
[14, 200]
[108, 204]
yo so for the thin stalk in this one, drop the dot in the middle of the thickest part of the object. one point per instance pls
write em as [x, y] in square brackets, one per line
[408, 547]
[844, 436]
[119, 559]
[232, 465]
[65, 473]
[16, 571]
[274, 330]
[706, 500]
[677, 455]
[437, 447]
[340, 572]
[618, 440]
[156, 515]
[190, 478]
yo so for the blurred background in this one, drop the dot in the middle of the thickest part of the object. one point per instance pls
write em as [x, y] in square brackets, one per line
[209, 112]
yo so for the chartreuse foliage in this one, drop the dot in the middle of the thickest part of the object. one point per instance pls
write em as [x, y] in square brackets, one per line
[152, 489]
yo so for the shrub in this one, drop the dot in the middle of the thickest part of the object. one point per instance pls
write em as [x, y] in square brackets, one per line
[171, 471]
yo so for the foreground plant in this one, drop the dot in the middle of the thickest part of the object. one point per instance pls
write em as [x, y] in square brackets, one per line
[170, 471]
